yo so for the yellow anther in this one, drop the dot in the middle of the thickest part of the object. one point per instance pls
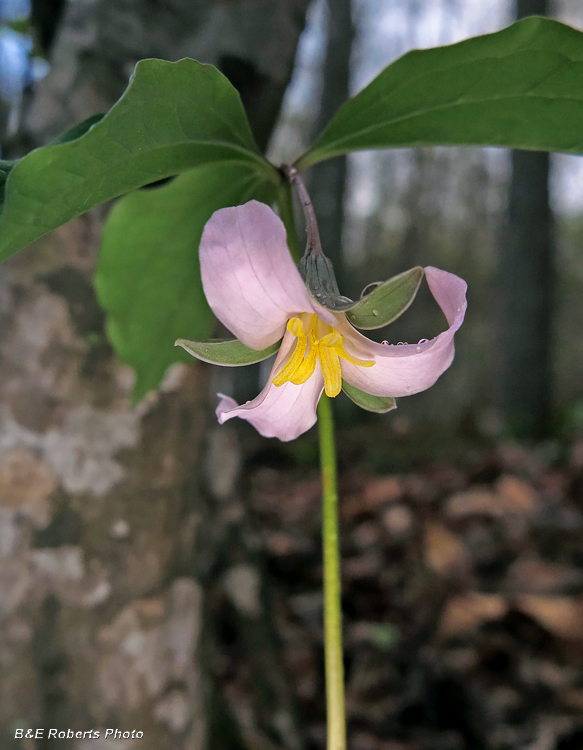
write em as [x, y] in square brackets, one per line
[331, 371]
[296, 327]
[307, 367]
[328, 349]
[331, 339]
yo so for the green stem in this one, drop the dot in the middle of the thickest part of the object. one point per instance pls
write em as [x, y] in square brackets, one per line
[332, 588]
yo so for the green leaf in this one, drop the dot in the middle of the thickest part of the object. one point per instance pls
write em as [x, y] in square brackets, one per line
[77, 130]
[521, 87]
[148, 275]
[379, 404]
[227, 352]
[386, 301]
[6, 166]
[172, 118]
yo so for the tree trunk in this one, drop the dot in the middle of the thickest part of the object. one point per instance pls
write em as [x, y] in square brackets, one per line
[527, 285]
[328, 179]
[108, 542]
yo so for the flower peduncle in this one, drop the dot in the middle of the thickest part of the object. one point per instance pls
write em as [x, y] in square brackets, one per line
[315, 268]
[313, 245]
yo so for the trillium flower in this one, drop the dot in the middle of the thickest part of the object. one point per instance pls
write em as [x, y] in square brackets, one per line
[255, 289]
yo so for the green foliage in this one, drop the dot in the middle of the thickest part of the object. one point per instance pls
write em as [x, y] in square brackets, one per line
[387, 301]
[6, 166]
[148, 276]
[227, 352]
[172, 118]
[521, 87]
[368, 402]
[77, 130]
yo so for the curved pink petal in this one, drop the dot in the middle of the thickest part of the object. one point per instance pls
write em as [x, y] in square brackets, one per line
[248, 274]
[410, 368]
[284, 411]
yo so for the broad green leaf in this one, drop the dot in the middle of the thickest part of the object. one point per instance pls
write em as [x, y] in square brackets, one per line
[172, 118]
[521, 87]
[379, 404]
[77, 130]
[386, 301]
[6, 166]
[227, 352]
[148, 275]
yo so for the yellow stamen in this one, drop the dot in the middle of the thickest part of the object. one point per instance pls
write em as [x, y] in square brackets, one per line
[331, 371]
[307, 367]
[353, 360]
[328, 349]
[296, 360]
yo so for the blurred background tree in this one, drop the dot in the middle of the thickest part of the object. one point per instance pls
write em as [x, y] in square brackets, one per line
[328, 179]
[527, 268]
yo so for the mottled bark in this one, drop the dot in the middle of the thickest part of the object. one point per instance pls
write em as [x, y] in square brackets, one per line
[252, 41]
[328, 180]
[526, 287]
[99, 619]
[104, 528]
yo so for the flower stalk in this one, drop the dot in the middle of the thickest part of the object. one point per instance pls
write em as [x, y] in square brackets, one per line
[334, 664]
[336, 722]
[313, 245]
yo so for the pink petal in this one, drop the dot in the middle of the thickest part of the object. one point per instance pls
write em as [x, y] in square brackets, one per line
[284, 411]
[248, 274]
[410, 368]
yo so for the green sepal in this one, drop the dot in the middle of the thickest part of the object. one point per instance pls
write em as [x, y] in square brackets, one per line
[226, 352]
[387, 301]
[380, 404]
[317, 272]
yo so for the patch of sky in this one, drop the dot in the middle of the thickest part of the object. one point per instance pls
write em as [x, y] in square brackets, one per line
[18, 67]
[15, 52]
[304, 87]
[12, 10]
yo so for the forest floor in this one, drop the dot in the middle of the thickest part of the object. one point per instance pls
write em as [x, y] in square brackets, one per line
[462, 594]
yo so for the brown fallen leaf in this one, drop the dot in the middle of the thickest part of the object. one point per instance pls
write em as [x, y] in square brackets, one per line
[380, 490]
[467, 612]
[398, 520]
[511, 496]
[560, 615]
[572, 698]
[529, 575]
[515, 495]
[361, 566]
[475, 501]
[445, 554]
[365, 741]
